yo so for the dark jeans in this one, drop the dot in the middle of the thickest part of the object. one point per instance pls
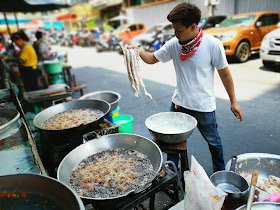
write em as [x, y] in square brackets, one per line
[207, 125]
[29, 77]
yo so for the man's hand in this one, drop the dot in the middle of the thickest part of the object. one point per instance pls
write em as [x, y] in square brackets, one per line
[237, 111]
[147, 57]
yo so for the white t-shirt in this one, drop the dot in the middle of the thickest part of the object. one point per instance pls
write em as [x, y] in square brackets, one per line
[195, 75]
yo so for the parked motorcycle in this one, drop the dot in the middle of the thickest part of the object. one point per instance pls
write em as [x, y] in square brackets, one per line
[155, 43]
[67, 41]
[110, 43]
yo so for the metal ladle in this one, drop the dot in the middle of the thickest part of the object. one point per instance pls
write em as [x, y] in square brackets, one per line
[254, 180]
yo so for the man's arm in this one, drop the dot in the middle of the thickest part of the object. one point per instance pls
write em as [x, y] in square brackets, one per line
[147, 57]
[228, 84]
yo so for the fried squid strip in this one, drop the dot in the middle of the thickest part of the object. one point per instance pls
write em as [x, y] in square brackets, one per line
[131, 60]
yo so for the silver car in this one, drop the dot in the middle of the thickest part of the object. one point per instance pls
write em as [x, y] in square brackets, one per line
[150, 33]
[270, 48]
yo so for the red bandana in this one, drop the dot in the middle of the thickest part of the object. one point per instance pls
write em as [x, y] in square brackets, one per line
[189, 48]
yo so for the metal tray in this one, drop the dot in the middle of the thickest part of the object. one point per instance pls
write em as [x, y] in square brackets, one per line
[9, 116]
[38, 95]
[267, 164]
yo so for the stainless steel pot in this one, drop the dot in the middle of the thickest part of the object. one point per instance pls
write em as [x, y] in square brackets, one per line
[267, 164]
[34, 191]
[233, 184]
[171, 127]
[112, 141]
[106, 95]
[262, 206]
[79, 104]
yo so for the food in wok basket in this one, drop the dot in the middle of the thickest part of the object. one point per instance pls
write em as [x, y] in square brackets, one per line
[111, 173]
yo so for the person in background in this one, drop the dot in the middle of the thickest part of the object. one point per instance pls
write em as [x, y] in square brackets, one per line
[196, 56]
[43, 52]
[27, 61]
[42, 47]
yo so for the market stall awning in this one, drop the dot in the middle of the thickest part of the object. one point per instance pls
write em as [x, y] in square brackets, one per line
[66, 17]
[33, 25]
[31, 5]
[55, 25]
[11, 21]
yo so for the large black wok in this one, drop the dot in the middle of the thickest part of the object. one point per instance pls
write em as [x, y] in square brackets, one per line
[112, 141]
[79, 104]
[34, 191]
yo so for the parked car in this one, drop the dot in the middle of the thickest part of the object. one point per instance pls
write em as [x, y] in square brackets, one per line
[208, 22]
[242, 34]
[270, 48]
[128, 31]
[166, 28]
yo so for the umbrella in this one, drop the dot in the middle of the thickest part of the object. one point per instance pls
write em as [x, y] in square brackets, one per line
[31, 5]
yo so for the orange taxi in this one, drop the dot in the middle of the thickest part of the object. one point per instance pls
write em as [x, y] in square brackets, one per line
[128, 31]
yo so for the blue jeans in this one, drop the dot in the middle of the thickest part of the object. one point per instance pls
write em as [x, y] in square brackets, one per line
[207, 125]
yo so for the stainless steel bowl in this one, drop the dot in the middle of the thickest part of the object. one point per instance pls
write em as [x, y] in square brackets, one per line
[171, 127]
[107, 95]
[233, 184]
[7, 118]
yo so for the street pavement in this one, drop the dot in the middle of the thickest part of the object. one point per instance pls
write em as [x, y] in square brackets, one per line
[257, 91]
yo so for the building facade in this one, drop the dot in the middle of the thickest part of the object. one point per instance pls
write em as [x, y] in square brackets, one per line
[152, 12]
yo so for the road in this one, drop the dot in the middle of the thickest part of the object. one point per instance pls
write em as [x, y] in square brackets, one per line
[257, 91]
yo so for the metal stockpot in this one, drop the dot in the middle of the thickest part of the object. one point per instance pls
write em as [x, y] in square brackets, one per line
[233, 184]
[112, 141]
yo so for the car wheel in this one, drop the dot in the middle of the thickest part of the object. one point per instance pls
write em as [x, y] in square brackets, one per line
[267, 64]
[243, 52]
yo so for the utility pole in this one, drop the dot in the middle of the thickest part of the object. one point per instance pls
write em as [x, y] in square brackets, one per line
[211, 8]
[211, 4]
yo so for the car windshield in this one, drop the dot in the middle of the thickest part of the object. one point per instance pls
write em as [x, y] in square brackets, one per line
[202, 21]
[238, 21]
[122, 28]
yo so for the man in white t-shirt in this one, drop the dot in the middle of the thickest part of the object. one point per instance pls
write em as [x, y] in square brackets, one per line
[196, 56]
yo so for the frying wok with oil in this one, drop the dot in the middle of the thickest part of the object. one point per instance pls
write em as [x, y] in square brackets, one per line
[112, 141]
[35, 191]
[79, 104]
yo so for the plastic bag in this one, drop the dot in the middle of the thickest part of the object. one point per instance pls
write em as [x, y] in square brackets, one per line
[200, 193]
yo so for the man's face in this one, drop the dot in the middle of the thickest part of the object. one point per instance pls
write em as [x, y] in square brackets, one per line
[182, 33]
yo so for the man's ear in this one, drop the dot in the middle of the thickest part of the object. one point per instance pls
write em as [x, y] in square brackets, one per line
[193, 26]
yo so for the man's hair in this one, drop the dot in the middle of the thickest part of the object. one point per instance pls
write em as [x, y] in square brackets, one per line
[38, 34]
[186, 13]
